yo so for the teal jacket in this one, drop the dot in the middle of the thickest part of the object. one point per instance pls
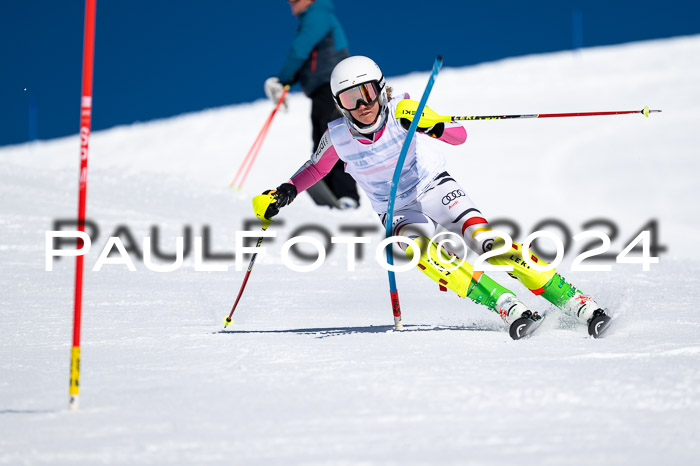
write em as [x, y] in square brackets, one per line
[318, 46]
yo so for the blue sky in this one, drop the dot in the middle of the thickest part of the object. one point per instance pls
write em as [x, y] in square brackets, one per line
[156, 58]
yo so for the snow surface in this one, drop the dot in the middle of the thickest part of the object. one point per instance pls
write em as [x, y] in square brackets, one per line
[311, 371]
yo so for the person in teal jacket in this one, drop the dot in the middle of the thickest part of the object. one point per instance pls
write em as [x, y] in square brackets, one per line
[320, 44]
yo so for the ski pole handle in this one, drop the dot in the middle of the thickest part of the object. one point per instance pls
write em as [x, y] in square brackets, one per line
[407, 109]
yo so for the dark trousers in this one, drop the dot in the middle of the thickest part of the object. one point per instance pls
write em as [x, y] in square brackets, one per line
[323, 111]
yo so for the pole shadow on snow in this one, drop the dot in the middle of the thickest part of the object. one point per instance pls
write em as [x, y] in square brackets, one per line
[336, 331]
[27, 411]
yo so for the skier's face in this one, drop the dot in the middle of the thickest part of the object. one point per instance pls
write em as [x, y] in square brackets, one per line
[299, 6]
[366, 114]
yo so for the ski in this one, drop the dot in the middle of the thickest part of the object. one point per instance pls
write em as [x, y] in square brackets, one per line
[524, 326]
[599, 323]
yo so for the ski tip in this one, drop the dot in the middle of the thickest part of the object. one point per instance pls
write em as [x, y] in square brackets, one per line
[598, 325]
[523, 327]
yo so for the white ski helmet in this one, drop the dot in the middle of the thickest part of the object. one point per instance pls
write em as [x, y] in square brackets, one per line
[359, 79]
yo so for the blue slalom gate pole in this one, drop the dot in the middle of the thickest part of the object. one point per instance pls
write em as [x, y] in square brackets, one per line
[395, 306]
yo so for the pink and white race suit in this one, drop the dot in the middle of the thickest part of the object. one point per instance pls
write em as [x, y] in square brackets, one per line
[426, 195]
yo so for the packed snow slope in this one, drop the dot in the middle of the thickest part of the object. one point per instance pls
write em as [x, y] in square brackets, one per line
[311, 371]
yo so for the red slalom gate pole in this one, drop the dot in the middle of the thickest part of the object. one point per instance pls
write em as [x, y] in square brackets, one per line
[257, 144]
[85, 122]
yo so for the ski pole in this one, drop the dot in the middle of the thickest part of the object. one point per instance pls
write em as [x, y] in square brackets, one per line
[257, 144]
[261, 203]
[228, 320]
[395, 306]
[255, 156]
[429, 118]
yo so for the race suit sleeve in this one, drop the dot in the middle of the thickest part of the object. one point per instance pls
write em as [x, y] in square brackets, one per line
[454, 134]
[320, 164]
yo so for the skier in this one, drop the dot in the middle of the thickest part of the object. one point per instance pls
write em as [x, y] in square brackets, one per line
[319, 45]
[368, 139]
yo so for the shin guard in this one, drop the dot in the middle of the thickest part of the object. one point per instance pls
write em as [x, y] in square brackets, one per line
[533, 279]
[438, 266]
[476, 286]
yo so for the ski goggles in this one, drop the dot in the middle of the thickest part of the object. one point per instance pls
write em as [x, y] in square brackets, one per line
[365, 93]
